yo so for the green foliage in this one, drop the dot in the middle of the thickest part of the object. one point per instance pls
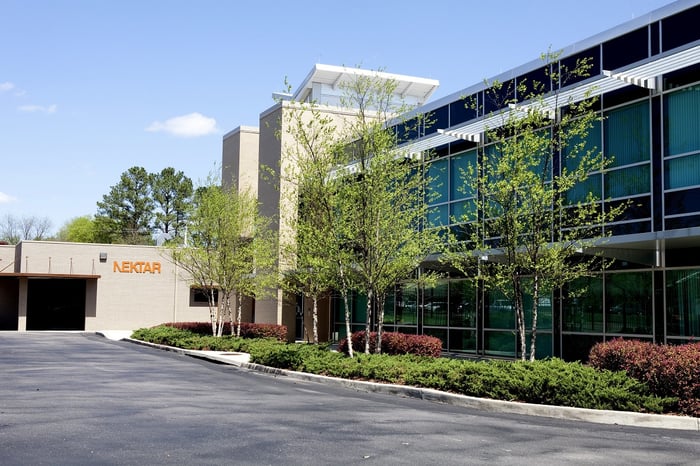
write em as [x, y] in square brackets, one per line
[172, 195]
[229, 247]
[533, 237]
[361, 208]
[551, 381]
[125, 213]
[247, 329]
[79, 230]
[668, 370]
[142, 203]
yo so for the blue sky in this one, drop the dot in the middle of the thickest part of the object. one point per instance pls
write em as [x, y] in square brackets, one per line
[91, 88]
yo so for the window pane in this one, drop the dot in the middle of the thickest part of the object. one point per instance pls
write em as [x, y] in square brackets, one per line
[682, 171]
[406, 305]
[591, 143]
[627, 134]
[627, 181]
[628, 302]
[682, 122]
[582, 309]
[499, 343]
[544, 311]
[499, 312]
[435, 305]
[460, 185]
[463, 211]
[580, 191]
[683, 303]
[462, 303]
[462, 340]
[438, 216]
[438, 176]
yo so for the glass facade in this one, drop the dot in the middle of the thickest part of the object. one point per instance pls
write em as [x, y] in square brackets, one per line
[651, 138]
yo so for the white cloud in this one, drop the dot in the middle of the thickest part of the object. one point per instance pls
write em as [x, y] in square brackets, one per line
[6, 198]
[6, 86]
[191, 125]
[38, 108]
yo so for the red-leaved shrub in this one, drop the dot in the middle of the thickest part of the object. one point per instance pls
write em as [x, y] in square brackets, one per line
[668, 370]
[248, 330]
[395, 343]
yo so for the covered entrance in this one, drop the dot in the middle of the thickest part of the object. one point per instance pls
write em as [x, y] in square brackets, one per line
[46, 301]
[56, 304]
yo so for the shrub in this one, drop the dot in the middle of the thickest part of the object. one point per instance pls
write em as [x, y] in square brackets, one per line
[668, 370]
[395, 343]
[248, 329]
[547, 382]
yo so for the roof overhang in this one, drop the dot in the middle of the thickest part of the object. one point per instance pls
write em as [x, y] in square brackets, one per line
[49, 275]
[420, 89]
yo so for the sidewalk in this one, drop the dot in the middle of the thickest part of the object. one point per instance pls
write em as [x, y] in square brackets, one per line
[657, 421]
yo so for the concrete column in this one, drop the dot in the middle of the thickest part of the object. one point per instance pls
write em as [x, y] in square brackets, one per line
[22, 304]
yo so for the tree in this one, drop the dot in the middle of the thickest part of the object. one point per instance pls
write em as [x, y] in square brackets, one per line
[525, 221]
[229, 248]
[78, 230]
[125, 214]
[385, 202]
[172, 195]
[315, 259]
[361, 208]
[15, 229]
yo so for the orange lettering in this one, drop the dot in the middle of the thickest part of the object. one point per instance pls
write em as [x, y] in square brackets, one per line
[116, 267]
[156, 267]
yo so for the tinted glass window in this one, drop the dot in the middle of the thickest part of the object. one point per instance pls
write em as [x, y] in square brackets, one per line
[498, 98]
[626, 49]
[627, 134]
[680, 28]
[568, 64]
[680, 202]
[438, 118]
[462, 110]
[533, 83]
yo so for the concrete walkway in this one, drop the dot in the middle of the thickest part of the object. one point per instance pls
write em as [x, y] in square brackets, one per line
[495, 406]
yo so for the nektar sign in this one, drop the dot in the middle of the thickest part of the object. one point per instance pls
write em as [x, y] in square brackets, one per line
[136, 267]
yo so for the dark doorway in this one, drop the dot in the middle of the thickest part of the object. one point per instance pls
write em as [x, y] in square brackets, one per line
[56, 304]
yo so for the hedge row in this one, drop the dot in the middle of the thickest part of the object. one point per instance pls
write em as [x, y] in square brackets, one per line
[552, 382]
[668, 370]
[395, 343]
[248, 330]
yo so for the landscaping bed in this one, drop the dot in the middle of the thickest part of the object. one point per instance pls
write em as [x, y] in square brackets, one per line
[549, 382]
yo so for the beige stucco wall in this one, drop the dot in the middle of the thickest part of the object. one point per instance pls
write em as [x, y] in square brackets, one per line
[137, 286]
[277, 195]
[243, 171]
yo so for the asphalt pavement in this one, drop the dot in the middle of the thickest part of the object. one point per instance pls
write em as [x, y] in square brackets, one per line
[84, 399]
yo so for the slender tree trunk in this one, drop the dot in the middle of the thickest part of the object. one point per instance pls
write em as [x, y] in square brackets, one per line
[380, 321]
[348, 330]
[368, 324]
[519, 312]
[315, 320]
[344, 292]
[535, 308]
[239, 313]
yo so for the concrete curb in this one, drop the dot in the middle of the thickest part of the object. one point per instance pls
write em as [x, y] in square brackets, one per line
[656, 421]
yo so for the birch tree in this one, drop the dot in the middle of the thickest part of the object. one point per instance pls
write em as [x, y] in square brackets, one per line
[318, 259]
[525, 224]
[229, 250]
[384, 199]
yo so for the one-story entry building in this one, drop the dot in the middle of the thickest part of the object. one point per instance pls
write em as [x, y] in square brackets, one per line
[48, 285]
